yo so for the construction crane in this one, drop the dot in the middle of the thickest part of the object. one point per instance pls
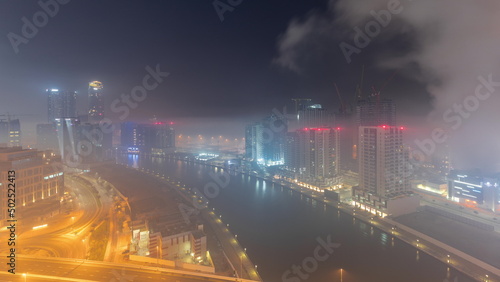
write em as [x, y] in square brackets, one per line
[387, 81]
[343, 109]
[376, 93]
[359, 87]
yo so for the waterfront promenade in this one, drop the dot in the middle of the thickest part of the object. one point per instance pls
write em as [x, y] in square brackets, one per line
[454, 258]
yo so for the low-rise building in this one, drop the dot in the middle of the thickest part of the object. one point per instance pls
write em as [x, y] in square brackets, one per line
[474, 190]
[37, 177]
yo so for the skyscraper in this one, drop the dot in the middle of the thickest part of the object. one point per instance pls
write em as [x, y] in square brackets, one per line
[382, 160]
[253, 141]
[130, 135]
[274, 130]
[315, 116]
[61, 104]
[159, 137]
[10, 132]
[96, 103]
[156, 137]
[291, 167]
[371, 111]
[315, 155]
[375, 112]
[265, 141]
[383, 172]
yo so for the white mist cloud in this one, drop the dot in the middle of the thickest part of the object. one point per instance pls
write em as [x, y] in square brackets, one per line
[453, 42]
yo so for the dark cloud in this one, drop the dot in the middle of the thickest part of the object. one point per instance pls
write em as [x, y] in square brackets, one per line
[446, 45]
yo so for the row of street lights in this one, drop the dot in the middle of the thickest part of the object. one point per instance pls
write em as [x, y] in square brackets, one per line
[393, 231]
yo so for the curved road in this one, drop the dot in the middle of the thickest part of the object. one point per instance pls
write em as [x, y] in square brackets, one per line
[65, 235]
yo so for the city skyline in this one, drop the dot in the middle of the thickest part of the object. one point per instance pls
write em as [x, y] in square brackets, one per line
[221, 93]
[233, 140]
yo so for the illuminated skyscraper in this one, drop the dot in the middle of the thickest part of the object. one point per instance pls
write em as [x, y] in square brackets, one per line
[372, 111]
[10, 132]
[96, 103]
[314, 116]
[383, 172]
[317, 155]
[253, 141]
[61, 104]
[265, 141]
[159, 137]
[156, 137]
[382, 160]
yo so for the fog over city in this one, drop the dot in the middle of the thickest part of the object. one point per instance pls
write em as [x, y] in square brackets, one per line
[238, 140]
[444, 45]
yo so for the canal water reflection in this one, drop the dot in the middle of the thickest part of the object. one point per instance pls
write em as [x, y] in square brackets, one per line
[282, 229]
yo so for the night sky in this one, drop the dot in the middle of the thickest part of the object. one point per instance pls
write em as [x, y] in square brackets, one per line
[224, 74]
[218, 69]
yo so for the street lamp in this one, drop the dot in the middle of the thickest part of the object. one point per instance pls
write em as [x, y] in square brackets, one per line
[241, 266]
[341, 271]
[157, 255]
